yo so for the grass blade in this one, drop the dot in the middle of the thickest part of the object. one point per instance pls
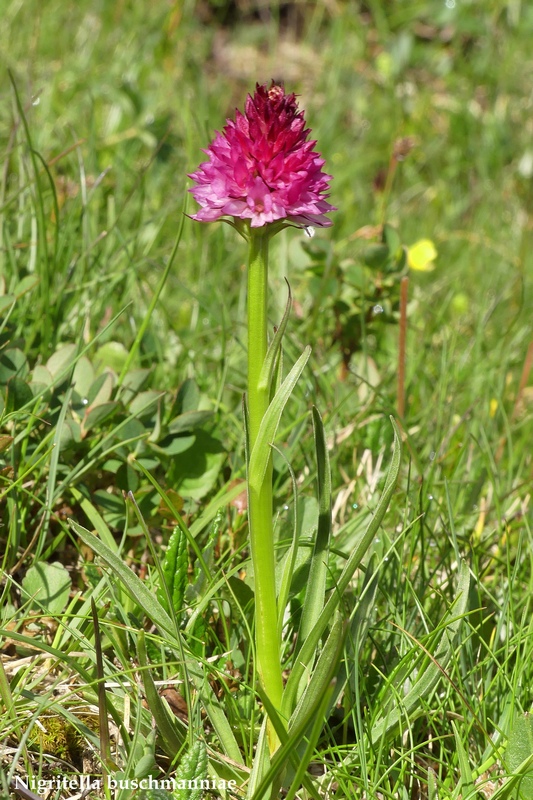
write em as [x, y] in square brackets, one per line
[261, 764]
[287, 752]
[167, 725]
[308, 648]
[105, 747]
[290, 557]
[134, 586]
[467, 787]
[271, 358]
[430, 676]
[322, 674]
[318, 571]
[314, 736]
[147, 317]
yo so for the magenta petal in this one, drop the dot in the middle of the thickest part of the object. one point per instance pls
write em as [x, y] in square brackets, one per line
[263, 166]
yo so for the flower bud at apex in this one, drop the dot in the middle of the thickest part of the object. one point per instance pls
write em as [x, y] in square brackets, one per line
[263, 169]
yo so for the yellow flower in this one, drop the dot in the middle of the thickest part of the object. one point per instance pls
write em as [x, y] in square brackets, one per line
[421, 255]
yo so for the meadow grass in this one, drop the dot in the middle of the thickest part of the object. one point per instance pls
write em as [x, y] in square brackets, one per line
[104, 110]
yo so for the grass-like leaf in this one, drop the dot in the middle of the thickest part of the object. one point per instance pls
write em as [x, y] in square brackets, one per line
[154, 611]
[428, 677]
[260, 766]
[274, 348]
[318, 571]
[289, 560]
[172, 733]
[306, 654]
[313, 737]
[103, 725]
[260, 454]
[321, 675]
[133, 585]
[288, 750]
[467, 787]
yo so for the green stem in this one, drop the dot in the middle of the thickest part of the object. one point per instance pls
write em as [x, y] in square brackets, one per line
[260, 501]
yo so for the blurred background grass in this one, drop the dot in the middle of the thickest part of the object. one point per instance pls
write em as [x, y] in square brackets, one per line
[121, 98]
[144, 87]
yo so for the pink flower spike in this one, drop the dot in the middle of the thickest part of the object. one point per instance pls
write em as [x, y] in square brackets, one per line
[262, 168]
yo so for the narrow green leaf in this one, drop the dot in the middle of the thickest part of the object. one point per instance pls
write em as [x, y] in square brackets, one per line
[309, 646]
[358, 631]
[148, 315]
[288, 750]
[260, 766]
[167, 499]
[312, 740]
[103, 723]
[277, 375]
[61, 429]
[322, 674]
[318, 571]
[194, 670]
[429, 677]
[267, 432]
[133, 585]
[246, 420]
[271, 358]
[168, 726]
[214, 710]
[290, 557]
[97, 520]
[467, 780]
[38, 644]
[7, 705]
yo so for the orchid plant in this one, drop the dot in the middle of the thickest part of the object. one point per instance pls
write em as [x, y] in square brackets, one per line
[263, 175]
